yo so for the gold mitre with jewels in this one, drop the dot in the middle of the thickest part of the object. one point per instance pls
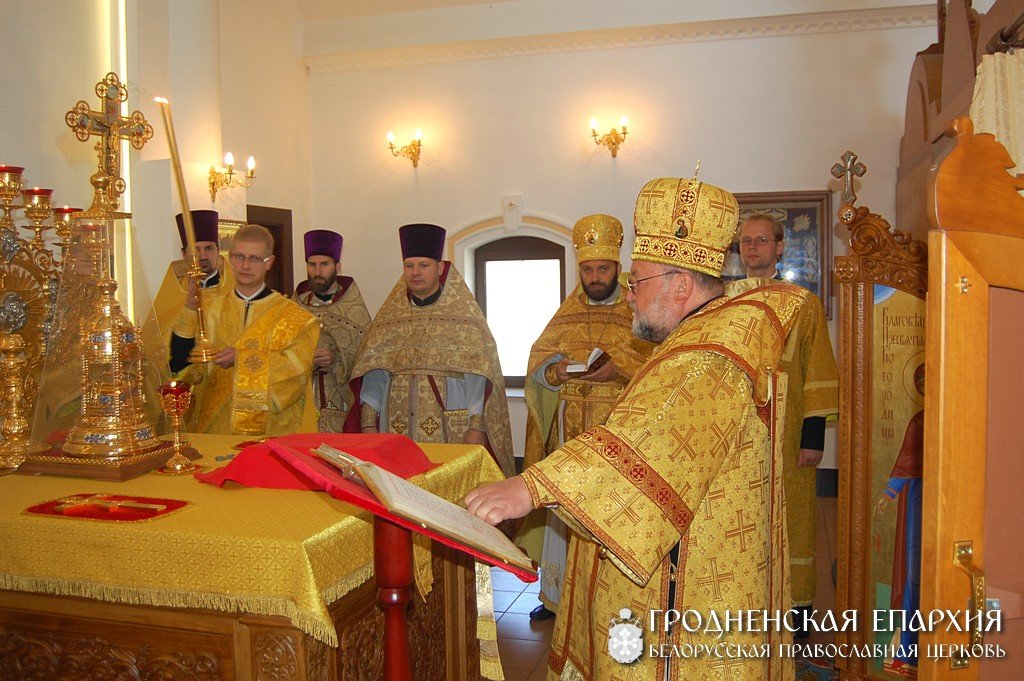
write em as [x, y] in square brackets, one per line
[684, 223]
[597, 237]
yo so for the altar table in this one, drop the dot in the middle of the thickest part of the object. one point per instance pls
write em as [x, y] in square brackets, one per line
[243, 583]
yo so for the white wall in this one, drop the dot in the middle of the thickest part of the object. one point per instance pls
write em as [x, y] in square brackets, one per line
[762, 114]
[265, 105]
[50, 65]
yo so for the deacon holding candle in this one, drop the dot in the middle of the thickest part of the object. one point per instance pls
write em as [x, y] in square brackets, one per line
[216, 276]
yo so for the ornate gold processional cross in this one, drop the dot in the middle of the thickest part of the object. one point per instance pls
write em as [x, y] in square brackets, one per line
[848, 168]
[111, 127]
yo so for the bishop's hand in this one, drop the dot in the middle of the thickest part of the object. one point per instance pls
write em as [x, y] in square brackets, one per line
[500, 500]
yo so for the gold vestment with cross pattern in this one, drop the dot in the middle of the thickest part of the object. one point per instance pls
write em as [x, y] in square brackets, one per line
[687, 458]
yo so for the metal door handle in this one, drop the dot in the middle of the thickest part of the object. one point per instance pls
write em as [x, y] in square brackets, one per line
[963, 558]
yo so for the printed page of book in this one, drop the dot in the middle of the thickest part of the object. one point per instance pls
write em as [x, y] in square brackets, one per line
[414, 503]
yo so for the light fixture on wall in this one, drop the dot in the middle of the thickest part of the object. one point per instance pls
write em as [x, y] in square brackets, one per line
[613, 139]
[411, 150]
[225, 179]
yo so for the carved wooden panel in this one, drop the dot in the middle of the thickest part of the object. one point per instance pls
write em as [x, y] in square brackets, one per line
[275, 655]
[31, 655]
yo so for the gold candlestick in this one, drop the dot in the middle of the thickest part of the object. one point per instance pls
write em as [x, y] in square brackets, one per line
[62, 220]
[10, 189]
[38, 210]
[203, 350]
[15, 445]
[175, 399]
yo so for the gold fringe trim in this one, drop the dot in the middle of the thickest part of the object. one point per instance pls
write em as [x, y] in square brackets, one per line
[352, 580]
[318, 627]
[486, 627]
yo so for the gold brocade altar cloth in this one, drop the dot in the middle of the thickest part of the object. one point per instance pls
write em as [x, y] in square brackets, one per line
[239, 549]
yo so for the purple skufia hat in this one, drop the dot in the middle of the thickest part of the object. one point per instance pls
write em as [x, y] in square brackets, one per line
[422, 241]
[323, 242]
[205, 224]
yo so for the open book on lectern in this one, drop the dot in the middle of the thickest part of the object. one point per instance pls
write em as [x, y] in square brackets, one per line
[429, 511]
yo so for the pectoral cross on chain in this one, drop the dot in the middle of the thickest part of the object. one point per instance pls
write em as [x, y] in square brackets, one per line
[848, 168]
[111, 127]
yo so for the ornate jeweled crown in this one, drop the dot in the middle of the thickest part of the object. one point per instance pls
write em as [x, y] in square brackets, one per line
[684, 223]
[597, 237]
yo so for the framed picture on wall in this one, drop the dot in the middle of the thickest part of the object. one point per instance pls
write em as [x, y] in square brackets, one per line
[226, 230]
[807, 252]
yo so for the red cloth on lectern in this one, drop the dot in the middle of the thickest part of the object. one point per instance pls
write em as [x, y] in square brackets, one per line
[260, 465]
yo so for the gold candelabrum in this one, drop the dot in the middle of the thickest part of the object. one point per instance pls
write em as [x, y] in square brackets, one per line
[203, 350]
[613, 139]
[225, 179]
[175, 399]
[410, 151]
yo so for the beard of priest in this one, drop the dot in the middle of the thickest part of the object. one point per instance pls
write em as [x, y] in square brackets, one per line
[258, 380]
[676, 501]
[428, 367]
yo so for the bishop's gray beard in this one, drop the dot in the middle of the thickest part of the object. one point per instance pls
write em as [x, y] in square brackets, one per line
[644, 330]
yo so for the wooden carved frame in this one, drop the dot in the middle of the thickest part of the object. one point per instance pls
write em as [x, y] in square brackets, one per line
[879, 255]
[807, 219]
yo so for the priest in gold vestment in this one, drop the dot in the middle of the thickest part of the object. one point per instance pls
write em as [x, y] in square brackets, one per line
[338, 306]
[812, 398]
[676, 502]
[428, 367]
[561, 404]
[217, 277]
[258, 382]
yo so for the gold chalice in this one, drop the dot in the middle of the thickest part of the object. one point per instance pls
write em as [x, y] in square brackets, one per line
[175, 399]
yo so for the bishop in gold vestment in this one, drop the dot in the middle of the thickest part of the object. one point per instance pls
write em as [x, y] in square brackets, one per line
[428, 367]
[338, 306]
[217, 277]
[676, 501]
[813, 397]
[258, 382]
[563, 405]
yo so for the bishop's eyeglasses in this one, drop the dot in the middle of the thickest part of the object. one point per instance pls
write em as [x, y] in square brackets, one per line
[251, 259]
[631, 283]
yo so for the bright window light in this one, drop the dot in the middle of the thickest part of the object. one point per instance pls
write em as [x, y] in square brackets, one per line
[522, 295]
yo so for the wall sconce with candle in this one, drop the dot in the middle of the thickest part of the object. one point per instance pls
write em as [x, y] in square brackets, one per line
[613, 139]
[411, 150]
[225, 179]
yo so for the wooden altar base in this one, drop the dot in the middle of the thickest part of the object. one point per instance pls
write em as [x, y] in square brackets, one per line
[51, 637]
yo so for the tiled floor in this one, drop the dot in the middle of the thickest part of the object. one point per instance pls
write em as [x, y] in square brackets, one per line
[524, 644]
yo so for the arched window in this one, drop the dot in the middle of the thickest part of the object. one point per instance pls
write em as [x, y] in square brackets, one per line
[519, 284]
